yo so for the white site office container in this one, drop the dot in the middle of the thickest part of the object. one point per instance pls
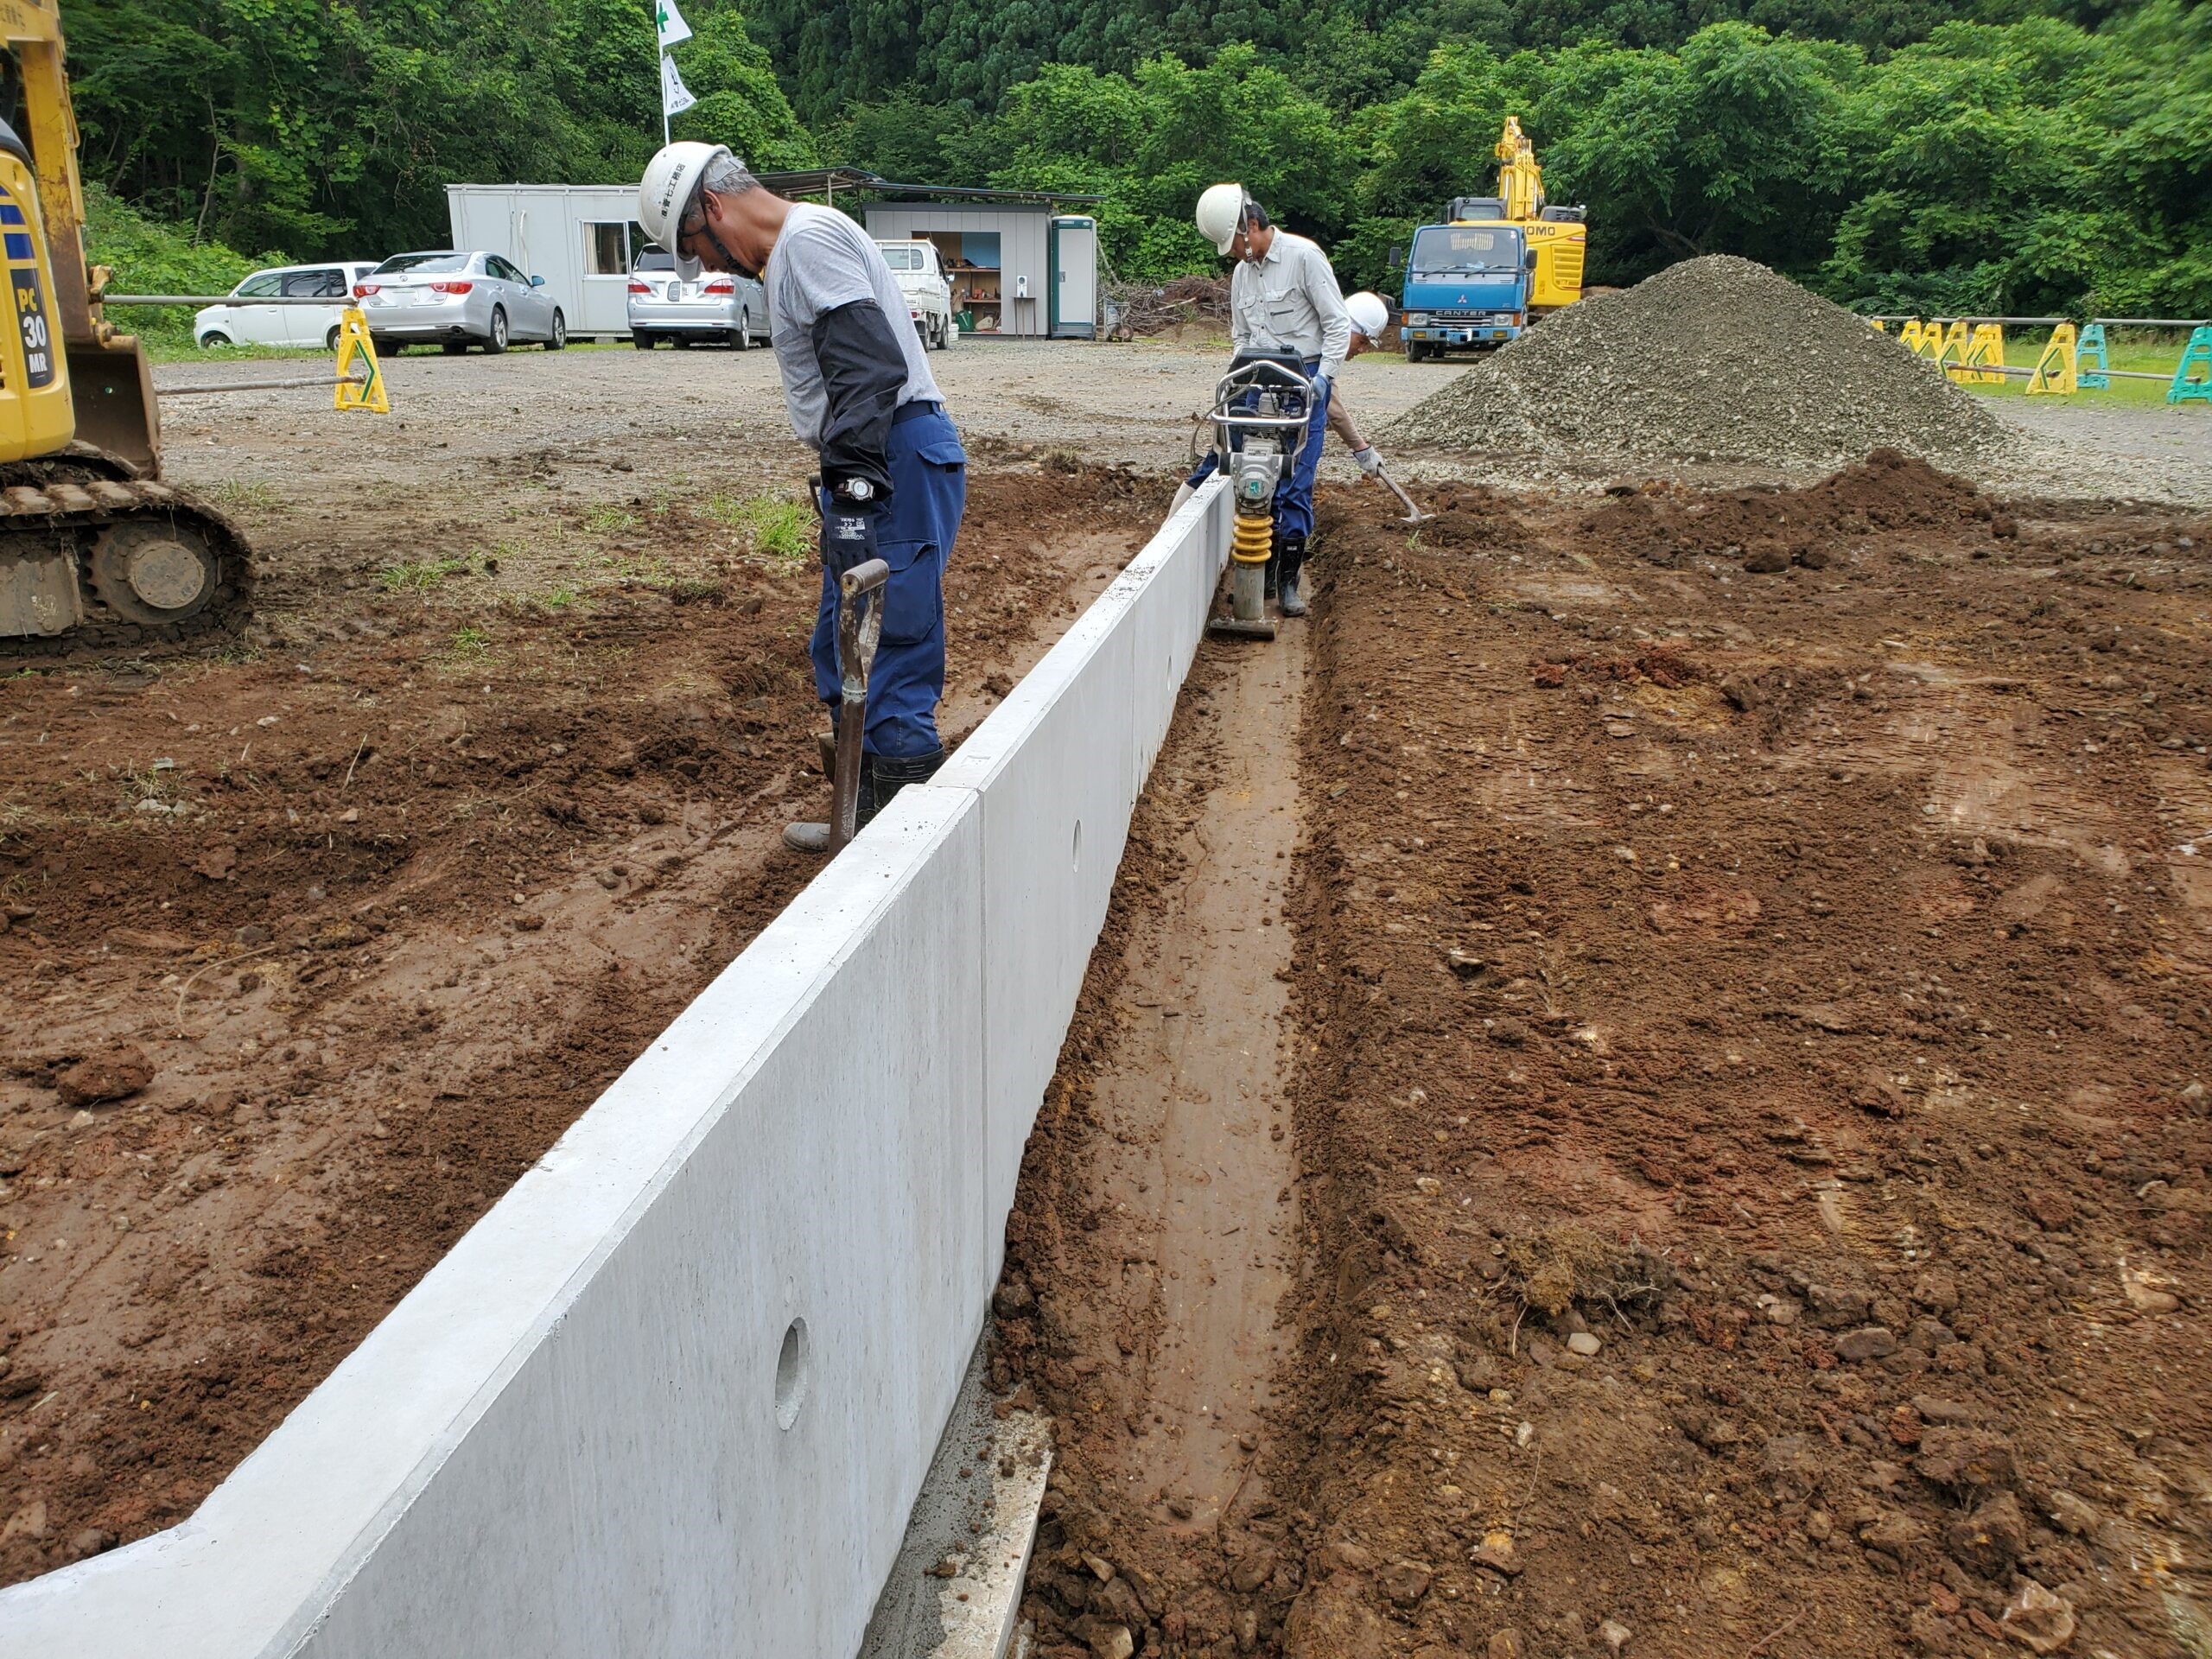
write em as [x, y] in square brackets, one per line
[581, 239]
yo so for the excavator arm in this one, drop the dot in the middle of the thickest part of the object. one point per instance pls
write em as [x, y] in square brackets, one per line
[1520, 180]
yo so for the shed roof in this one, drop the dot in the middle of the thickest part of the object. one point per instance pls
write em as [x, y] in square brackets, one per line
[826, 181]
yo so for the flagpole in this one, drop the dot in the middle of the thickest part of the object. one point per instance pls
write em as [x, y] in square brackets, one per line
[661, 76]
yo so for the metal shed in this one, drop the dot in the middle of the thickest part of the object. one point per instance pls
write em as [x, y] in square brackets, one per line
[1018, 267]
[581, 239]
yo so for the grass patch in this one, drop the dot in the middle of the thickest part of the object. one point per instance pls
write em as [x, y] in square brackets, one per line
[774, 526]
[420, 576]
[470, 644]
[608, 519]
[236, 492]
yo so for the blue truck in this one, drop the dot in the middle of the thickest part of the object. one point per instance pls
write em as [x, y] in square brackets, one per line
[1465, 286]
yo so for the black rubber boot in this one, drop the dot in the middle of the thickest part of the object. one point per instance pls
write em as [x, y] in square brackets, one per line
[1288, 562]
[882, 776]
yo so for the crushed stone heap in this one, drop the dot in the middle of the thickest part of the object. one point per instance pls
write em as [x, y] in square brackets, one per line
[1716, 359]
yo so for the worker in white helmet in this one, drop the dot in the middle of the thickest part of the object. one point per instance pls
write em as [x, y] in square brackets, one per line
[1283, 297]
[893, 481]
[1371, 318]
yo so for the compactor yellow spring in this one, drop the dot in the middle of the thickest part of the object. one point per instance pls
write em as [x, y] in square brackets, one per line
[1252, 540]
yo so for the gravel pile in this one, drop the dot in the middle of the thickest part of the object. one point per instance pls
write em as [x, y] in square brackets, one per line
[1712, 360]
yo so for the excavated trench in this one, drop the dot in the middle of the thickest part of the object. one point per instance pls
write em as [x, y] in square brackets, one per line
[1154, 1239]
[1642, 1093]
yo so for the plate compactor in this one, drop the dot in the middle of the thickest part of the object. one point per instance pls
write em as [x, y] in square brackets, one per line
[1262, 409]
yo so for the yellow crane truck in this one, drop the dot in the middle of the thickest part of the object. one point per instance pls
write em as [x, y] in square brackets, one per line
[96, 552]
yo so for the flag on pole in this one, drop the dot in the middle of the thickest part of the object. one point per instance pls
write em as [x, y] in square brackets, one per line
[673, 29]
[675, 96]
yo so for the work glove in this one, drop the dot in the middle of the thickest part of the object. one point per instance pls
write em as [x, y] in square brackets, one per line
[1370, 460]
[848, 534]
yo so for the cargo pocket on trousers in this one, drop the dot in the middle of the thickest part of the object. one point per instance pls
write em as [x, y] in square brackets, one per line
[913, 599]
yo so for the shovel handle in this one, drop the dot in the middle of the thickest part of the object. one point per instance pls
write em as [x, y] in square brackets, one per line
[864, 578]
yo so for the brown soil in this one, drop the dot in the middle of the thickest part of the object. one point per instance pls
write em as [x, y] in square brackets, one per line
[1792, 987]
[311, 953]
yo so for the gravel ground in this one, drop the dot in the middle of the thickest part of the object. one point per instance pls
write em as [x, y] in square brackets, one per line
[1127, 404]
[671, 418]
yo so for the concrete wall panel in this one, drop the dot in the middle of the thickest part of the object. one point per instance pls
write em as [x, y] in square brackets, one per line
[568, 1438]
[1059, 765]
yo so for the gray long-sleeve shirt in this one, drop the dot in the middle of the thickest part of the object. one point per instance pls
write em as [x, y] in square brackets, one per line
[1289, 301]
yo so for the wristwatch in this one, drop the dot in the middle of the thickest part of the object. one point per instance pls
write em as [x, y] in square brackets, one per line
[858, 491]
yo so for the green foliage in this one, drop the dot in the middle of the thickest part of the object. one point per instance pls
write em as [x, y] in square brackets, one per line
[1931, 154]
[148, 257]
[333, 130]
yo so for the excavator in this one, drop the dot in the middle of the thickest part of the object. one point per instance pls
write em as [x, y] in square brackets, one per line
[97, 554]
[1557, 236]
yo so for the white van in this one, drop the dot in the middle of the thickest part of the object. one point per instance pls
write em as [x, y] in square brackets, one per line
[239, 321]
[914, 267]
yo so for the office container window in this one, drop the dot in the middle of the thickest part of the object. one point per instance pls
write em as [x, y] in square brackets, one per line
[606, 250]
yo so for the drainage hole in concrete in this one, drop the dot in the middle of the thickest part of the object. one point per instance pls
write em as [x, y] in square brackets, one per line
[1075, 851]
[792, 1371]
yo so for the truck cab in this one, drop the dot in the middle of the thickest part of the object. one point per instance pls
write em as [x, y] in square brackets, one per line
[922, 279]
[1465, 286]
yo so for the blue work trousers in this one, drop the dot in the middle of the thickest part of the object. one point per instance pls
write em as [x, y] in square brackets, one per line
[1293, 512]
[914, 534]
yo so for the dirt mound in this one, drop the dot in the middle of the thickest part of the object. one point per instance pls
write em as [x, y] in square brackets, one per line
[1770, 530]
[1712, 360]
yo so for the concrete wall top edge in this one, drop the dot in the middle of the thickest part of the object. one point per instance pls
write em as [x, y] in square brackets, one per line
[985, 752]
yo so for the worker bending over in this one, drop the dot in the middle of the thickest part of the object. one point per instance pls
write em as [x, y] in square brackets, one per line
[860, 391]
[1283, 297]
[1370, 317]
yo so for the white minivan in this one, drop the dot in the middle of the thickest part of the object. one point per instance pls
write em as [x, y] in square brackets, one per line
[239, 321]
[914, 267]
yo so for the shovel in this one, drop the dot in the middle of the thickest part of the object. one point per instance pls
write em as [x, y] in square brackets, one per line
[1414, 515]
[859, 624]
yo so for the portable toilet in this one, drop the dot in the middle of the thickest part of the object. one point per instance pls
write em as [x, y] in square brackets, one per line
[1073, 261]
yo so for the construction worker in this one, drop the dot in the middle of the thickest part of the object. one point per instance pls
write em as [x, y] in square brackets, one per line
[1370, 316]
[1283, 297]
[893, 481]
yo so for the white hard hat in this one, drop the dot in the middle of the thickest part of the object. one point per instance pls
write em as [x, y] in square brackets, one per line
[666, 192]
[1370, 314]
[1221, 212]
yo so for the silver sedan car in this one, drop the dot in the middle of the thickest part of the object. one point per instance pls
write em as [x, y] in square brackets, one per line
[458, 300]
[716, 306]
